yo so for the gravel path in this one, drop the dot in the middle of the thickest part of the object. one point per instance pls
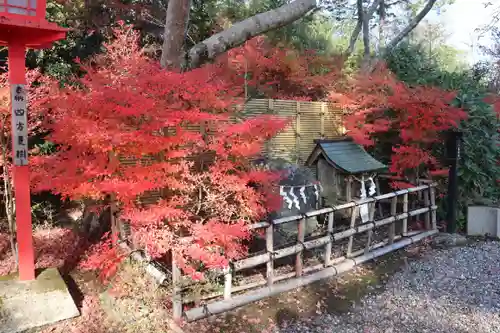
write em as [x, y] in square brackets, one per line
[455, 290]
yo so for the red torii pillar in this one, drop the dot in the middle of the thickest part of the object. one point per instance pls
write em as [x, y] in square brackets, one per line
[22, 26]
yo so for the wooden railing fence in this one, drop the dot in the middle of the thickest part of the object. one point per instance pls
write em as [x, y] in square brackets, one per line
[332, 263]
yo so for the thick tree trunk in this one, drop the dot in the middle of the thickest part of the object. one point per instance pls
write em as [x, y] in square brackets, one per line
[381, 26]
[240, 32]
[172, 55]
[365, 21]
[355, 34]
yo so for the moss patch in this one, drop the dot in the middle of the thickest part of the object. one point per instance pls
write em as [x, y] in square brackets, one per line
[49, 280]
[356, 284]
[46, 281]
[10, 277]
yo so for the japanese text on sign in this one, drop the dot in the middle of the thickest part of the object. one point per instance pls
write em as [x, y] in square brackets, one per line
[19, 125]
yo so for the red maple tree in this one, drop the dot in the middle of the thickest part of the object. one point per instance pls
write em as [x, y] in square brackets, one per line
[409, 118]
[280, 73]
[175, 129]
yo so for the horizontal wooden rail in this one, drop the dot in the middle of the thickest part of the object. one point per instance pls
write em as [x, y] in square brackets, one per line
[335, 208]
[261, 282]
[315, 243]
[330, 266]
[255, 295]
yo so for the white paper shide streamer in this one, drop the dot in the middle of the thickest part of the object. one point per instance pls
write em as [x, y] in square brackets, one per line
[373, 188]
[291, 199]
[363, 209]
[285, 197]
[316, 192]
[303, 194]
[295, 199]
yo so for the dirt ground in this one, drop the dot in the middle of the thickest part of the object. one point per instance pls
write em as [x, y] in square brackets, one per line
[132, 304]
[334, 295]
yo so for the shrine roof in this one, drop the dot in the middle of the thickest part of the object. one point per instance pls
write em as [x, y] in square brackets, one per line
[346, 155]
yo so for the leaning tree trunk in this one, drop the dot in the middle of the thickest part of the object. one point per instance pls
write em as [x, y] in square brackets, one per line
[409, 28]
[369, 64]
[240, 32]
[365, 21]
[359, 26]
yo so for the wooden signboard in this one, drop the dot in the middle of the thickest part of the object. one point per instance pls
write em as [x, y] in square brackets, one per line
[19, 125]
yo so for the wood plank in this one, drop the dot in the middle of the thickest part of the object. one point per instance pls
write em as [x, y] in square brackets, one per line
[300, 241]
[297, 131]
[270, 250]
[433, 203]
[392, 227]
[371, 217]
[354, 213]
[427, 216]
[405, 210]
[176, 291]
[328, 246]
[322, 120]
[228, 280]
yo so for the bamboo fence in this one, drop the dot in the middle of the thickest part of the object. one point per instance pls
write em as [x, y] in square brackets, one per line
[332, 264]
[308, 121]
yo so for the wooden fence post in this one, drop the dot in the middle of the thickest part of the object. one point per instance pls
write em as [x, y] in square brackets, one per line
[328, 246]
[297, 131]
[427, 216]
[392, 226]
[270, 250]
[354, 212]
[405, 210]
[300, 240]
[348, 190]
[176, 290]
[228, 279]
[322, 120]
[371, 218]
[304, 275]
[433, 203]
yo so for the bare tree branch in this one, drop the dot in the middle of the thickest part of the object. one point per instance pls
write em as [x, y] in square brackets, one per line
[409, 28]
[240, 32]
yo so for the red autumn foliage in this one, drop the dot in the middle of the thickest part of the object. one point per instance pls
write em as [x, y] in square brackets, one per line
[280, 73]
[53, 248]
[494, 100]
[127, 106]
[413, 117]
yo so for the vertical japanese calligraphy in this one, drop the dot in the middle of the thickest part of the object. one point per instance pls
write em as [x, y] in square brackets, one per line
[19, 125]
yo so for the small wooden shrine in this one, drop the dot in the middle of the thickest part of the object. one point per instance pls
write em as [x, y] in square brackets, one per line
[341, 167]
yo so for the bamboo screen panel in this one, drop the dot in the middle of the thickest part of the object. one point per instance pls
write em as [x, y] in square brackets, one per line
[308, 121]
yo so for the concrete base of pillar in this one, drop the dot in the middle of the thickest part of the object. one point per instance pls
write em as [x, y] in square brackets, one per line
[29, 304]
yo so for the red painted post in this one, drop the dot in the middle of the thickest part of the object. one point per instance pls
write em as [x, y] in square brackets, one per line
[23, 25]
[21, 173]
